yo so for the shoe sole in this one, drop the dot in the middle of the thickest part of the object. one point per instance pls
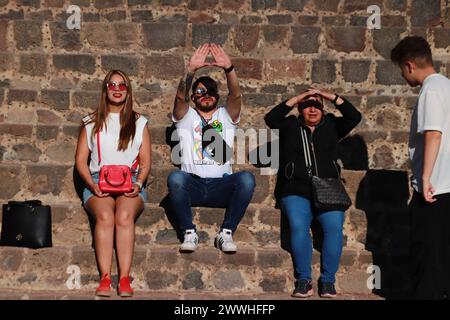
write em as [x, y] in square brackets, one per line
[328, 295]
[224, 251]
[300, 295]
[103, 294]
[126, 294]
[187, 250]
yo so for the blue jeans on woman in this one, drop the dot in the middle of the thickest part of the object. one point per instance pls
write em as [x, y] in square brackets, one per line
[232, 191]
[300, 214]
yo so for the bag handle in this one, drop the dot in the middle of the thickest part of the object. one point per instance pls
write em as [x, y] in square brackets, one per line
[134, 165]
[116, 184]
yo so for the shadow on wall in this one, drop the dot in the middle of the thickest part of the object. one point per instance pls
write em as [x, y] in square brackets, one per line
[383, 195]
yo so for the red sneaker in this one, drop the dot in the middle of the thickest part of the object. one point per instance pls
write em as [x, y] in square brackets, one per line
[104, 289]
[125, 289]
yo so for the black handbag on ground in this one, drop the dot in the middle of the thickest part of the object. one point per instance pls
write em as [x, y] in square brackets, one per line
[329, 194]
[26, 224]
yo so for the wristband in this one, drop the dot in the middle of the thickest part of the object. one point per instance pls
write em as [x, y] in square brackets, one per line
[228, 70]
[335, 99]
[139, 184]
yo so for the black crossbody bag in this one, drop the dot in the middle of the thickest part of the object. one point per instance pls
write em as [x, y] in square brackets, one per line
[26, 224]
[329, 194]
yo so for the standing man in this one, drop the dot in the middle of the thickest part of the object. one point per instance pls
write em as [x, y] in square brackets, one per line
[429, 152]
[206, 132]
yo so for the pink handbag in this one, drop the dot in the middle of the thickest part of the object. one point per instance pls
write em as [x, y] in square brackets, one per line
[115, 179]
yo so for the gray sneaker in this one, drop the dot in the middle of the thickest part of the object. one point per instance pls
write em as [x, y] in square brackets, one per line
[224, 241]
[190, 241]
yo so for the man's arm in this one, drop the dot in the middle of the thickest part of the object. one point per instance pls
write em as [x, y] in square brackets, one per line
[234, 99]
[181, 104]
[431, 150]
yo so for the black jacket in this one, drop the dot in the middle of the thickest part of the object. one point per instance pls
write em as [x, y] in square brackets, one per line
[324, 141]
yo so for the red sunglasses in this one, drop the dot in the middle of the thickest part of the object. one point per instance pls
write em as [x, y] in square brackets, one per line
[116, 86]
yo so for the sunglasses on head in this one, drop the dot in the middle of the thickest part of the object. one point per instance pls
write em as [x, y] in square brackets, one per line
[122, 86]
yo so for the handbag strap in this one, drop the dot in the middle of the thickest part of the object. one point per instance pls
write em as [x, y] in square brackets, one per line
[134, 165]
[307, 152]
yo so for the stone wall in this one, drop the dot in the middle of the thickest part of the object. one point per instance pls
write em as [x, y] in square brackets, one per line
[50, 77]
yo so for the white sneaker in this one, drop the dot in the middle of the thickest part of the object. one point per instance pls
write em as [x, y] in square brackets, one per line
[224, 241]
[190, 241]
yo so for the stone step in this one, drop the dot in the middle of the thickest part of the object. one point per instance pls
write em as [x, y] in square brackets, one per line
[260, 227]
[59, 183]
[75, 294]
[163, 268]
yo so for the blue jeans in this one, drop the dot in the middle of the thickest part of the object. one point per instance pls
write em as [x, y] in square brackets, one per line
[233, 192]
[300, 215]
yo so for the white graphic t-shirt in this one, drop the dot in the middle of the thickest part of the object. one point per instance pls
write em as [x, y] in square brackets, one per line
[193, 158]
[109, 141]
[432, 112]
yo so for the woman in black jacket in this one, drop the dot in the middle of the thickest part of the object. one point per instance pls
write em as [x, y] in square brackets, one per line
[323, 132]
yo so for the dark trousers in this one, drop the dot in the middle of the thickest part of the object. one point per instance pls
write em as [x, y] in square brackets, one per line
[233, 192]
[430, 247]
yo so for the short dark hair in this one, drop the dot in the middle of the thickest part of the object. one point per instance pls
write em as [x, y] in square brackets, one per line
[208, 82]
[412, 48]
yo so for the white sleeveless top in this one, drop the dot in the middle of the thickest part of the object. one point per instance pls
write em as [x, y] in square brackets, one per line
[109, 141]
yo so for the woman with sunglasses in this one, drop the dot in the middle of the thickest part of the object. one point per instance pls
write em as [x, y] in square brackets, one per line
[121, 136]
[323, 132]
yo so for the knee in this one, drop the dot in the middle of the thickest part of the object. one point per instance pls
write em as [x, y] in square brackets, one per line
[333, 227]
[246, 180]
[124, 219]
[104, 219]
[177, 179]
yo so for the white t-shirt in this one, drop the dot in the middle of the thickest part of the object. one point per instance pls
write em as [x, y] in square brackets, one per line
[109, 141]
[193, 158]
[432, 112]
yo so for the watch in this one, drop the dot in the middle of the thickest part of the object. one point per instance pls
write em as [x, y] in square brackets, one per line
[228, 70]
[335, 99]
[139, 184]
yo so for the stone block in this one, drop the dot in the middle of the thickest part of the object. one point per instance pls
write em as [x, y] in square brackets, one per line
[10, 176]
[64, 38]
[33, 64]
[285, 69]
[346, 39]
[228, 280]
[164, 36]
[424, 12]
[355, 70]
[247, 68]
[27, 152]
[193, 280]
[385, 40]
[305, 39]
[324, 71]
[75, 62]
[205, 33]
[56, 99]
[128, 64]
[157, 280]
[246, 37]
[164, 67]
[27, 34]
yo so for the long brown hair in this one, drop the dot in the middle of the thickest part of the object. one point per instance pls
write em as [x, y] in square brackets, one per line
[127, 115]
